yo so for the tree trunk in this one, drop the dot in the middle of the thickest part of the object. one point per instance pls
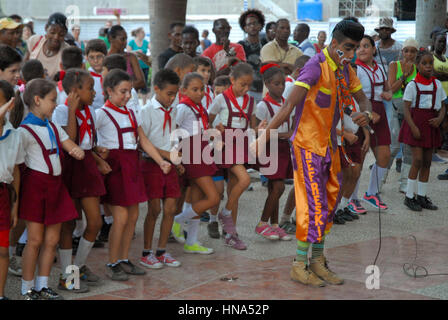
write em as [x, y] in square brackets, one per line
[162, 13]
[429, 14]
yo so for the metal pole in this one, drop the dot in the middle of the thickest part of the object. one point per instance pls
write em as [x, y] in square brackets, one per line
[429, 14]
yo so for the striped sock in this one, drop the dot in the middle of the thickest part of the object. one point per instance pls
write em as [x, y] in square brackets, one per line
[317, 249]
[302, 251]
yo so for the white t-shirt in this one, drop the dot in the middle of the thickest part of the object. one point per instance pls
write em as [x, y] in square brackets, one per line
[60, 117]
[153, 118]
[34, 158]
[410, 94]
[107, 133]
[11, 152]
[187, 120]
[219, 107]
[98, 102]
[262, 113]
[377, 77]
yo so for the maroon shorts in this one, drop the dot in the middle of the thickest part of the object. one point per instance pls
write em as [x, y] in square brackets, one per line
[4, 238]
[44, 199]
[124, 185]
[159, 185]
[193, 162]
[5, 208]
[381, 129]
[82, 178]
[430, 137]
[284, 162]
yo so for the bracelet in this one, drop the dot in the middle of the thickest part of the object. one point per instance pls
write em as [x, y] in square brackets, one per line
[369, 114]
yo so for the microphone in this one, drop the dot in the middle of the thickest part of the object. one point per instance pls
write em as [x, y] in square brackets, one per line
[349, 112]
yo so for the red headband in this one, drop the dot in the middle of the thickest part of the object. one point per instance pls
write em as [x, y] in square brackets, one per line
[61, 75]
[268, 66]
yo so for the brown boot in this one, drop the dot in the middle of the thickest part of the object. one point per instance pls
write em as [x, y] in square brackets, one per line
[301, 273]
[320, 267]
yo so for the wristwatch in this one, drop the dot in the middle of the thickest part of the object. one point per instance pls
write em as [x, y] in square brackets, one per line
[369, 114]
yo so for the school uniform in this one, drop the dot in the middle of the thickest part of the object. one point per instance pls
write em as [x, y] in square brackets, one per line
[117, 131]
[266, 110]
[158, 122]
[194, 120]
[98, 102]
[11, 154]
[373, 81]
[426, 99]
[235, 114]
[207, 100]
[43, 196]
[62, 96]
[289, 85]
[82, 177]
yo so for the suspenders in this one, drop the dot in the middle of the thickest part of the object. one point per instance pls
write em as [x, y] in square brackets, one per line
[121, 131]
[419, 93]
[271, 111]
[233, 114]
[374, 84]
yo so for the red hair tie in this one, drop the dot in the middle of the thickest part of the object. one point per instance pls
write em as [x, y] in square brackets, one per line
[268, 66]
[62, 75]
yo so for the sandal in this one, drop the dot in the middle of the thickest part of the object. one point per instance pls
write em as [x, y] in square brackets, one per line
[289, 227]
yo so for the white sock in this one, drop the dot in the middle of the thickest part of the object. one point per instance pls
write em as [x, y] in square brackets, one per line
[213, 218]
[79, 229]
[109, 219]
[192, 231]
[185, 215]
[41, 282]
[411, 188]
[24, 236]
[355, 192]
[27, 286]
[226, 212]
[186, 206]
[65, 257]
[84, 248]
[376, 175]
[343, 203]
[12, 251]
[421, 188]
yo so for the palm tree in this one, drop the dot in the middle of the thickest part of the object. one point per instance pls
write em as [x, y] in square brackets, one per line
[161, 15]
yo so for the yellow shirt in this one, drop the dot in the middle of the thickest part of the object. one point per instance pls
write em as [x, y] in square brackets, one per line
[442, 67]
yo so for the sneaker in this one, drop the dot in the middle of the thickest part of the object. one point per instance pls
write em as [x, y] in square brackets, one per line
[320, 267]
[4, 298]
[151, 262]
[375, 201]
[227, 223]
[412, 204]
[197, 248]
[300, 272]
[355, 206]
[338, 219]
[426, 203]
[443, 176]
[213, 230]
[345, 215]
[50, 294]
[288, 227]
[267, 232]
[282, 235]
[205, 217]
[88, 276]
[398, 165]
[63, 285]
[31, 295]
[116, 273]
[14, 266]
[19, 249]
[351, 214]
[168, 260]
[235, 242]
[250, 187]
[177, 232]
[104, 233]
[130, 268]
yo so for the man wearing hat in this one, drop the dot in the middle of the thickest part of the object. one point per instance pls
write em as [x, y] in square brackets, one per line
[388, 49]
[10, 32]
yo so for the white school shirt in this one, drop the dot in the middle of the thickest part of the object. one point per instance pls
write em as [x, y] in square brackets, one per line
[62, 96]
[134, 102]
[378, 77]
[107, 133]
[11, 152]
[98, 102]
[153, 117]
[60, 117]
[34, 158]
[187, 120]
[349, 125]
[410, 94]
[219, 107]
[289, 85]
[209, 91]
[262, 113]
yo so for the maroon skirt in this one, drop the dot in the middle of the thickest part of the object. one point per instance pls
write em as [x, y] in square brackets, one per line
[353, 151]
[430, 137]
[284, 162]
[193, 162]
[381, 136]
[124, 185]
[44, 199]
[5, 208]
[159, 185]
[82, 178]
[235, 151]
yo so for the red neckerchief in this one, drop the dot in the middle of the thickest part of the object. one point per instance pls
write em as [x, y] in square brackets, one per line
[167, 118]
[125, 111]
[84, 127]
[96, 75]
[269, 99]
[199, 108]
[424, 81]
[60, 87]
[373, 71]
[289, 79]
[208, 97]
[229, 93]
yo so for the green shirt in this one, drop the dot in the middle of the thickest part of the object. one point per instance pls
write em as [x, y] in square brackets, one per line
[399, 93]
